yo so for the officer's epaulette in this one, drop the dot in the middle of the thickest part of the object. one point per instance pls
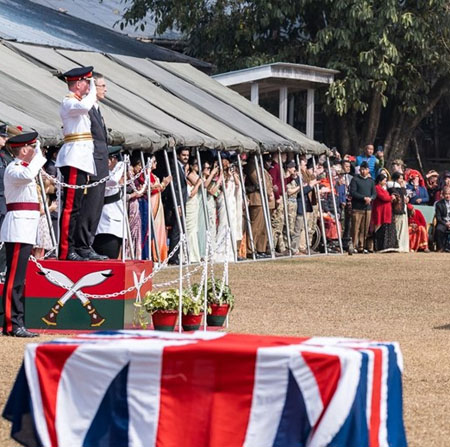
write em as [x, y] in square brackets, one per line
[73, 95]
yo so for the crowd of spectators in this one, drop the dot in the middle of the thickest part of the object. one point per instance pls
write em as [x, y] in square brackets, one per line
[294, 204]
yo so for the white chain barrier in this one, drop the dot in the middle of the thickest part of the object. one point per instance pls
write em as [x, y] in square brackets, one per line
[202, 265]
[55, 180]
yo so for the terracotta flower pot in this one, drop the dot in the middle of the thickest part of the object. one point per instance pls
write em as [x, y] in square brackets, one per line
[218, 314]
[192, 322]
[165, 320]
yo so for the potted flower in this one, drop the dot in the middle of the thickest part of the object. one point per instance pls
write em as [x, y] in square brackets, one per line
[218, 304]
[192, 312]
[163, 306]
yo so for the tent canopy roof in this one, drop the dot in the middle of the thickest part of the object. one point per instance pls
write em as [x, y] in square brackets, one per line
[148, 106]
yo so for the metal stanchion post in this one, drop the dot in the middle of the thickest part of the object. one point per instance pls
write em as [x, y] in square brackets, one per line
[247, 213]
[335, 207]
[180, 286]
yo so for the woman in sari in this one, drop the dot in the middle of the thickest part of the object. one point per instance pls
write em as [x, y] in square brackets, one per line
[418, 236]
[211, 189]
[192, 210]
[159, 238]
[234, 202]
[134, 215]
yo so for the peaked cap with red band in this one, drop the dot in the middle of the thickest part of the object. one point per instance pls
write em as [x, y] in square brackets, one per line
[23, 139]
[79, 73]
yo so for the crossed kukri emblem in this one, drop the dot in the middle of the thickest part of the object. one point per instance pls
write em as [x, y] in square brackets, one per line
[74, 288]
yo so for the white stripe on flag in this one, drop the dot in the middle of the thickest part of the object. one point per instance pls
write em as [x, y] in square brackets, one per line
[308, 386]
[269, 394]
[86, 376]
[383, 434]
[144, 386]
[341, 403]
[35, 392]
[370, 366]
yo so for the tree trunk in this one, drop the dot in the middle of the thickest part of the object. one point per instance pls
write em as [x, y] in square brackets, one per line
[345, 146]
[373, 119]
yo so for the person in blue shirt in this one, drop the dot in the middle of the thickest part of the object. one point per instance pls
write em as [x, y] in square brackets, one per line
[370, 159]
[418, 195]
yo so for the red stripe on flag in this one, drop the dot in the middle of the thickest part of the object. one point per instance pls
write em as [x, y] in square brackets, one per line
[67, 211]
[50, 361]
[327, 370]
[374, 426]
[9, 287]
[207, 389]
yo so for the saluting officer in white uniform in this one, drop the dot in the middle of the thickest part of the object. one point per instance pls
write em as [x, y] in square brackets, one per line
[19, 229]
[109, 235]
[75, 158]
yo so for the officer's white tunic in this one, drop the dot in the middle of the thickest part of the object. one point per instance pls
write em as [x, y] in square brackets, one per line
[76, 121]
[20, 186]
[111, 220]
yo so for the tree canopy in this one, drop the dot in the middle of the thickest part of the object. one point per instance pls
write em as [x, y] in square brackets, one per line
[393, 55]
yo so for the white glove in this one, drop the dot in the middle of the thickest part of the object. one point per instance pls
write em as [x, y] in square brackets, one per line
[92, 87]
[37, 147]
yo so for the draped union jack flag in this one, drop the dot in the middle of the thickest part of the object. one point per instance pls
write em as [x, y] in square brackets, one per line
[145, 389]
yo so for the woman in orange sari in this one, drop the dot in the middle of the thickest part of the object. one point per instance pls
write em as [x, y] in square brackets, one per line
[418, 236]
[160, 235]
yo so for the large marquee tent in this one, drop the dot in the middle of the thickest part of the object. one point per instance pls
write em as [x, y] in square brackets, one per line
[150, 105]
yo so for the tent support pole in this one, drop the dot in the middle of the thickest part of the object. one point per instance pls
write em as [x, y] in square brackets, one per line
[126, 160]
[266, 200]
[47, 211]
[183, 210]
[247, 213]
[174, 197]
[336, 215]
[285, 202]
[262, 193]
[203, 189]
[319, 202]
[305, 218]
[224, 191]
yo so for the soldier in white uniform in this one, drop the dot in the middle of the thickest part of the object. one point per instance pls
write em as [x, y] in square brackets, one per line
[109, 235]
[19, 229]
[75, 158]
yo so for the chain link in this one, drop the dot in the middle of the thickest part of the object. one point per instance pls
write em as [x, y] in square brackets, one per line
[56, 181]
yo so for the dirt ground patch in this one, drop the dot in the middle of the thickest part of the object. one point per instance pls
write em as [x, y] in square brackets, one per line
[392, 297]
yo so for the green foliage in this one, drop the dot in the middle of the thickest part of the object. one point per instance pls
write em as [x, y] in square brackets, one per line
[388, 51]
[226, 298]
[161, 300]
[190, 306]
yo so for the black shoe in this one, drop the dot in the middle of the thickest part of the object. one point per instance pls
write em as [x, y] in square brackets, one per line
[74, 256]
[174, 262]
[92, 255]
[21, 332]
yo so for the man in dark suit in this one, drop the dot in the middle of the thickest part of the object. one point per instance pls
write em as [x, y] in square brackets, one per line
[93, 201]
[169, 207]
[443, 221]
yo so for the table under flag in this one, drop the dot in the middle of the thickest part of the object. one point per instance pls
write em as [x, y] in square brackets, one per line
[207, 389]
